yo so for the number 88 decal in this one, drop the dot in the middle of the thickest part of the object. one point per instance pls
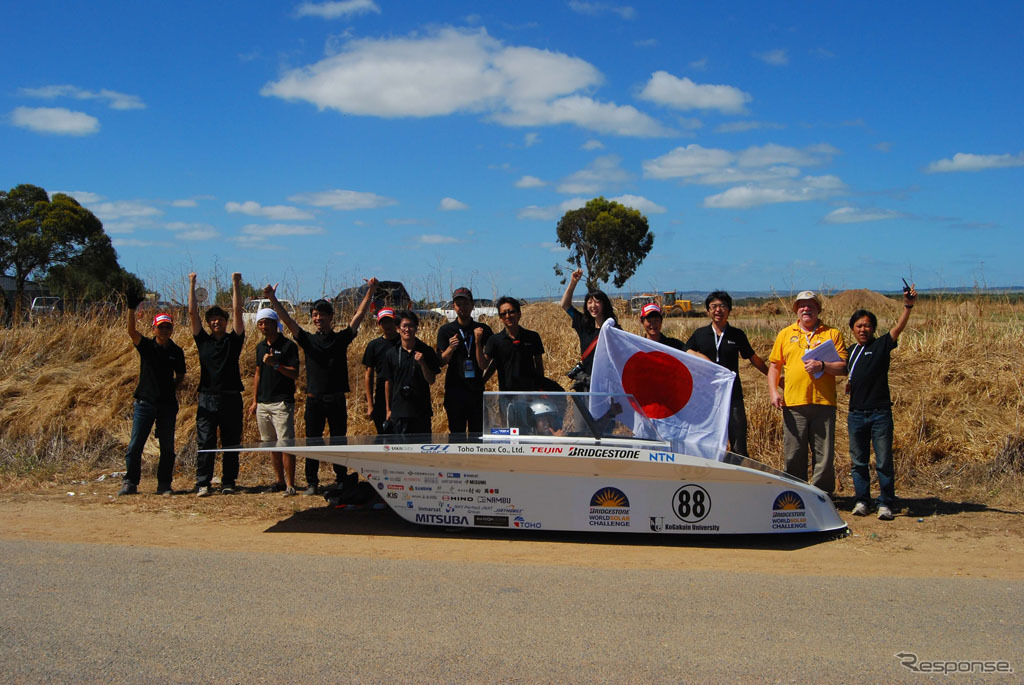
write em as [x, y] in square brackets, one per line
[691, 503]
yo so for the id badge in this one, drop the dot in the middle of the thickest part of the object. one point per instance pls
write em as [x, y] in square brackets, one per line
[470, 371]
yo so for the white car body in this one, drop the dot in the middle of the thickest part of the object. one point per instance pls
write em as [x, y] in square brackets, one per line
[251, 307]
[481, 307]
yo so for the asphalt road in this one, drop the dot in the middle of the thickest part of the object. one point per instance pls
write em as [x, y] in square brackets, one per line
[87, 613]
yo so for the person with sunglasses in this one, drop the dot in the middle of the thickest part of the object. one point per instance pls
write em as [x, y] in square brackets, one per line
[724, 345]
[161, 373]
[516, 352]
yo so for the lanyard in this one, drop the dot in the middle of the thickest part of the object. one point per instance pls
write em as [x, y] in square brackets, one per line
[465, 341]
[718, 340]
[858, 350]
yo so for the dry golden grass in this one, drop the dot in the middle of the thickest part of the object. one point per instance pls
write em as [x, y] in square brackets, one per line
[957, 381]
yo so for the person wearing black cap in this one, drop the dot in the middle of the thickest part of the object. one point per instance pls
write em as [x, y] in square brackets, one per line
[460, 346]
[725, 344]
[161, 373]
[220, 386]
[373, 359]
[326, 353]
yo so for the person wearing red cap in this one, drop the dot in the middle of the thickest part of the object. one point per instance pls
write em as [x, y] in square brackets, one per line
[725, 344]
[161, 373]
[460, 346]
[652, 318]
[373, 359]
[809, 401]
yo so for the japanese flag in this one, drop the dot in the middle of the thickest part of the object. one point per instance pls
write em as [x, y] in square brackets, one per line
[686, 397]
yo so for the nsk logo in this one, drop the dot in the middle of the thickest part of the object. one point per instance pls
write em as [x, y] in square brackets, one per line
[452, 520]
[603, 453]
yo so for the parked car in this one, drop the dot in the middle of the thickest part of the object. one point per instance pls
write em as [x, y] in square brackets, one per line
[252, 307]
[481, 307]
[388, 294]
[43, 307]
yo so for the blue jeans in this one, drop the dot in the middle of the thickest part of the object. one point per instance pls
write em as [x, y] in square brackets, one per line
[867, 428]
[164, 415]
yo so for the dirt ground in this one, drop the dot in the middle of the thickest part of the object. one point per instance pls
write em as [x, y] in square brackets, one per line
[931, 537]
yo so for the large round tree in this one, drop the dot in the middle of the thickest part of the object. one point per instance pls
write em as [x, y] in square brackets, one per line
[607, 239]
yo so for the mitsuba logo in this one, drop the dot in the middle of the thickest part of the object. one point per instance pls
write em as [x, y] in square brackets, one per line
[452, 520]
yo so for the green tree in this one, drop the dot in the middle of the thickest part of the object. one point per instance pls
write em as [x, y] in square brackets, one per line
[246, 290]
[38, 232]
[94, 275]
[604, 238]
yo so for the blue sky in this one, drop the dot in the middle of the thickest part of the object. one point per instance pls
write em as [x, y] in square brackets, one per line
[771, 145]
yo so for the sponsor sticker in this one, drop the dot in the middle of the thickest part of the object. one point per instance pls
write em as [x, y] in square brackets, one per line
[788, 511]
[504, 431]
[490, 521]
[691, 503]
[609, 508]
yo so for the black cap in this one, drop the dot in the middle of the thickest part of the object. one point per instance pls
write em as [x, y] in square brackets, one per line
[463, 292]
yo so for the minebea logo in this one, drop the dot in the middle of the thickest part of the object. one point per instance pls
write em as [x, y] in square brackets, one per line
[609, 497]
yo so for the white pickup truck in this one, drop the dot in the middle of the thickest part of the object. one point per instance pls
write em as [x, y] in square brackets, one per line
[251, 307]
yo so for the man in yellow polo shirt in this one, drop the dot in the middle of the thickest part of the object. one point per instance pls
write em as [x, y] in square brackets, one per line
[809, 403]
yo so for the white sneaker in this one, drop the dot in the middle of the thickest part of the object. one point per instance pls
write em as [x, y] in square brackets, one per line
[884, 513]
[860, 509]
[203, 492]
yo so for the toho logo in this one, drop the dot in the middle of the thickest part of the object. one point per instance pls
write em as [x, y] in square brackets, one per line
[520, 522]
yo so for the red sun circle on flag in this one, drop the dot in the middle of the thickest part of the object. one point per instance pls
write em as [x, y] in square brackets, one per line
[661, 384]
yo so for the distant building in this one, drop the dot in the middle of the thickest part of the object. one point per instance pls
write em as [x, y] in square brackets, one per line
[32, 290]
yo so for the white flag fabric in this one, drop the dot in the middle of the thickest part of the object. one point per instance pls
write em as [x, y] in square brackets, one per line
[686, 398]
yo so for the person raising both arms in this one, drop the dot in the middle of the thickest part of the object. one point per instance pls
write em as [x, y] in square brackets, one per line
[596, 309]
[870, 418]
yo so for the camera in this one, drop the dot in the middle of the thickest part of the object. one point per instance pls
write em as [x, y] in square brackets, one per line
[405, 392]
[575, 371]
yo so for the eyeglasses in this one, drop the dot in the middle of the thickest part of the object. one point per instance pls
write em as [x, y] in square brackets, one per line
[507, 313]
[717, 306]
[408, 326]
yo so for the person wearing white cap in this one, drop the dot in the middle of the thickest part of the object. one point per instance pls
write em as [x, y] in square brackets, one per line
[220, 405]
[809, 402]
[161, 372]
[273, 401]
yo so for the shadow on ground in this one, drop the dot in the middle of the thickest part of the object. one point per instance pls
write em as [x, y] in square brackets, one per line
[928, 506]
[327, 520]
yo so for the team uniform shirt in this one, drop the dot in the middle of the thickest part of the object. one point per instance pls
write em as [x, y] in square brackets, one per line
[674, 343]
[801, 387]
[373, 358]
[410, 392]
[586, 336]
[463, 379]
[157, 367]
[869, 374]
[274, 385]
[218, 362]
[326, 360]
[513, 358]
[725, 350]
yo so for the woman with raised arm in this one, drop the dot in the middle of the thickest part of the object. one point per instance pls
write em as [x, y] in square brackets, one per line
[587, 324]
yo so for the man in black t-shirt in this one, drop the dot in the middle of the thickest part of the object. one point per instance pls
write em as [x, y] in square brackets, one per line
[161, 372]
[409, 371]
[516, 353]
[869, 421]
[460, 346]
[724, 345]
[373, 359]
[220, 386]
[273, 401]
[326, 375]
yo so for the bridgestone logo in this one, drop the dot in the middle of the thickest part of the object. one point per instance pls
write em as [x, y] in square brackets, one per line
[603, 453]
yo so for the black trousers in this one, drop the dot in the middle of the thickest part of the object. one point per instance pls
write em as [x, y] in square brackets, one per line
[325, 410]
[738, 427]
[465, 413]
[410, 425]
[218, 412]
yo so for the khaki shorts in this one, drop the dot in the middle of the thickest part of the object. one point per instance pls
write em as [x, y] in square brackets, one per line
[276, 420]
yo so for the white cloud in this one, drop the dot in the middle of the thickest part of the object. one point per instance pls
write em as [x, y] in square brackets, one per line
[600, 173]
[334, 10]
[114, 99]
[531, 139]
[343, 199]
[254, 242]
[134, 242]
[852, 215]
[765, 155]
[593, 145]
[554, 247]
[597, 8]
[551, 212]
[776, 58]
[192, 231]
[84, 197]
[682, 93]
[640, 203]
[123, 209]
[732, 175]
[56, 120]
[699, 64]
[279, 229]
[684, 162]
[436, 239]
[459, 71]
[742, 126]
[190, 201]
[965, 161]
[403, 222]
[530, 182]
[274, 212]
[450, 204]
[806, 189]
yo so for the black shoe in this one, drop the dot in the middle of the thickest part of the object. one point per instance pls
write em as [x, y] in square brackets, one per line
[164, 490]
[128, 488]
[276, 487]
[311, 490]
